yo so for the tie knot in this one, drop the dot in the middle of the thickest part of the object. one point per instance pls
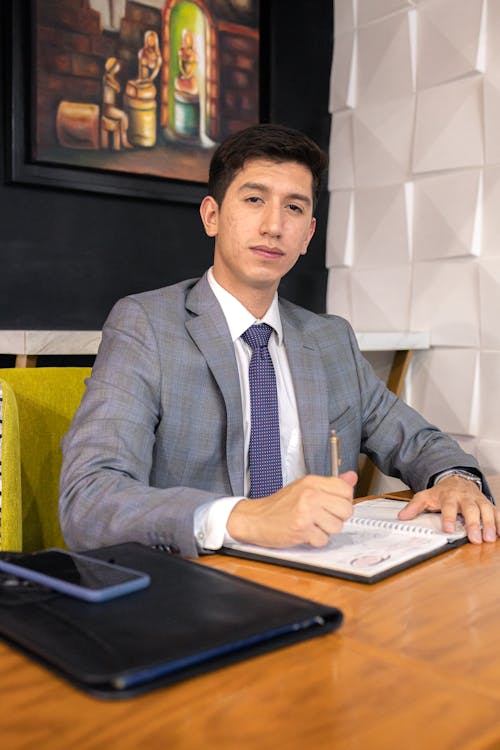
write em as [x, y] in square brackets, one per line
[257, 335]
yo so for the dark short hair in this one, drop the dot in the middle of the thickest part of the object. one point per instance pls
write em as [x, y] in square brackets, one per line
[266, 141]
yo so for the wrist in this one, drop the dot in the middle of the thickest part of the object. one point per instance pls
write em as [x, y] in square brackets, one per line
[237, 522]
[463, 473]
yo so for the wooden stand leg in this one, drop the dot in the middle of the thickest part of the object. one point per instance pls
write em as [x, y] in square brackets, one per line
[25, 360]
[397, 375]
[395, 383]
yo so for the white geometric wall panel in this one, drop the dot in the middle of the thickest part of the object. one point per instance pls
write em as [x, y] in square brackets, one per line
[493, 39]
[341, 172]
[338, 293]
[441, 145]
[491, 212]
[445, 302]
[491, 120]
[448, 215]
[488, 454]
[492, 84]
[340, 229]
[344, 18]
[382, 138]
[385, 66]
[451, 40]
[381, 235]
[490, 395]
[370, 10]
[438, 394]
[489, 293]
[343, 78]
[380, 298]
[449, 126]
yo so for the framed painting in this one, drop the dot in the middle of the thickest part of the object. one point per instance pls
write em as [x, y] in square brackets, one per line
[131, 97]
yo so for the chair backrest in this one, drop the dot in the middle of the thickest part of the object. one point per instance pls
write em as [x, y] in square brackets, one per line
[38, 406]
[11, 519]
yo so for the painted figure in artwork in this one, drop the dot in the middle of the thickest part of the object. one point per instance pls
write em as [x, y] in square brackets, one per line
[149, 57]
[188, 60]
[114, 121]
[186, 91]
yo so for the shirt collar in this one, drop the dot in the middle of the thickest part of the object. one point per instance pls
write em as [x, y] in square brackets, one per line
[238, 317]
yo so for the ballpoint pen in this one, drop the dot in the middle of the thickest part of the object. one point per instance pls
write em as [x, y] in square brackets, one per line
[335, 452]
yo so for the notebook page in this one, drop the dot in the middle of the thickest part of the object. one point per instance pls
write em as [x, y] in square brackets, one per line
[371, 544]
[358, 549]
[386, 510]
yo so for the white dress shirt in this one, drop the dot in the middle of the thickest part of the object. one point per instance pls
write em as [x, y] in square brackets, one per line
[210, 519]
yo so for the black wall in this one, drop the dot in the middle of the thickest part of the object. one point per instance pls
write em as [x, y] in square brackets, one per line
[66, 256]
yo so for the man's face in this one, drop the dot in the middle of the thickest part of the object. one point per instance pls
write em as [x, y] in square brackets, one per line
[264, 223]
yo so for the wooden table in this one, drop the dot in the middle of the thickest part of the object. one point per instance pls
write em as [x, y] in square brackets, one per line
[415, 666]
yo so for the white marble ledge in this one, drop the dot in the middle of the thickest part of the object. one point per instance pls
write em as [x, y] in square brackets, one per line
[374, 341]
[49, 342]
[87, 342]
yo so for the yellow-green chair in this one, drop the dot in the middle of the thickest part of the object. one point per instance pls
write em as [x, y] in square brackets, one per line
[38, 404]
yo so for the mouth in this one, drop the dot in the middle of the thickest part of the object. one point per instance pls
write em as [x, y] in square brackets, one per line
[264, 251]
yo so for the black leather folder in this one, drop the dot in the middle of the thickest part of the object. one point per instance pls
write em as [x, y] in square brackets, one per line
[191, 619]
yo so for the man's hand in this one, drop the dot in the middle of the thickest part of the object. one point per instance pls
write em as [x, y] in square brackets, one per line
[306, 511]
[455, 495]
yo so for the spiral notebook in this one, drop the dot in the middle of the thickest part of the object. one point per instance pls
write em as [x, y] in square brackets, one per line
[191, 619]
[372, 545]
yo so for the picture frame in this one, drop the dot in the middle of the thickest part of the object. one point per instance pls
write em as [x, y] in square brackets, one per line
[24, 166]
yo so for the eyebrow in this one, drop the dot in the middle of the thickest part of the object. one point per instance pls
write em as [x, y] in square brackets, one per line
[265, 189]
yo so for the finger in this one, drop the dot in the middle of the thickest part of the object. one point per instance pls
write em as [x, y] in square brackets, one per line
[338, 508]
[449, 512]
[329, 485]
[415, 506]
[318, 537]
[343, 486]
[330, 523]
[488, 514]
[472, 519]
[350, 477]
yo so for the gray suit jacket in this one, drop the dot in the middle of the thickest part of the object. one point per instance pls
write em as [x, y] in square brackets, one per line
[160, 429]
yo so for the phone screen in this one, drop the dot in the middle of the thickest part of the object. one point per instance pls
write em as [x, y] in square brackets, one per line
[78, 570]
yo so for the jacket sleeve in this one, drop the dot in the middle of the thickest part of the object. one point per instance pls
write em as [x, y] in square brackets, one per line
[399, 440]
[105, 492]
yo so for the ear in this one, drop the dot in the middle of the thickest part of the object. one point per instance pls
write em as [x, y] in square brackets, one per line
[209, 212]
[311, 230]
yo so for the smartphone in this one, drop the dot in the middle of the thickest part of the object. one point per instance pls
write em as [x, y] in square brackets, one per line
[75, 574]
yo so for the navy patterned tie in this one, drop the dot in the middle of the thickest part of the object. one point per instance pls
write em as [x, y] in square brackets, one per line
[264, 455]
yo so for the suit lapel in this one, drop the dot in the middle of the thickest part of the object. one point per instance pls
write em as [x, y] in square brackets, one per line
[209, 331]
[311, 389]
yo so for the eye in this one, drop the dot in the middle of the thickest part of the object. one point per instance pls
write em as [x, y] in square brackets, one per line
[295, 208]
[253, 199]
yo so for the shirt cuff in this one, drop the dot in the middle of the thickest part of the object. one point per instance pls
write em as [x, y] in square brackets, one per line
[210, 521]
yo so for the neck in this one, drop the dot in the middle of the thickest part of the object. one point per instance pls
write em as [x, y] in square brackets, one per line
[257, 300]
[256, 304]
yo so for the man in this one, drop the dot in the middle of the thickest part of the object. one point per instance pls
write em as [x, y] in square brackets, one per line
[164, 448]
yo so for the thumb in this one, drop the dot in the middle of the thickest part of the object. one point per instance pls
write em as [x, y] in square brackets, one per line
[350, 477]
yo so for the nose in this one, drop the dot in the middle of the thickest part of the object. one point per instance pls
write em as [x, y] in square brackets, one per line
[271, 220]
